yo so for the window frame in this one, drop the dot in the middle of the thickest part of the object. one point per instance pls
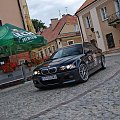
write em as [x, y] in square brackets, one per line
[94, 48]
[49, 50]
[104, 14]
[88, 23]
[70, 41]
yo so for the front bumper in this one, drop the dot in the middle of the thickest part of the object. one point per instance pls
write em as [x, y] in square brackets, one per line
[62, 78]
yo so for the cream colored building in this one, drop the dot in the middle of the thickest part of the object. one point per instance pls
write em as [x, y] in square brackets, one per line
[14, 12]
[100, 23]
[60, 33]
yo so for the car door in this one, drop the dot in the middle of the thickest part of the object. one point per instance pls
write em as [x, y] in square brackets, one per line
[88, 56]
[96, 54]
[93, 56]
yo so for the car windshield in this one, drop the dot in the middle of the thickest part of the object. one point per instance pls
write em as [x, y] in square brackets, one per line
[68, 51]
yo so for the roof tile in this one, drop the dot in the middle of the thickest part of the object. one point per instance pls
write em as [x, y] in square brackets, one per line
[51, 34]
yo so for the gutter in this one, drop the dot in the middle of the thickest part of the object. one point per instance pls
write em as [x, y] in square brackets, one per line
[81, 32]
[21, 14]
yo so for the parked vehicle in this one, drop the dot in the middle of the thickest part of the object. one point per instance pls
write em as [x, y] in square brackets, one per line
[69, 64]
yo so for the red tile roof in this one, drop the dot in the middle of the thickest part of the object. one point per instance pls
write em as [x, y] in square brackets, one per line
[85, 4]
[51, 34]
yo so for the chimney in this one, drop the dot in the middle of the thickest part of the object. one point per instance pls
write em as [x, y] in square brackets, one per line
[63, 15]
[54, 22]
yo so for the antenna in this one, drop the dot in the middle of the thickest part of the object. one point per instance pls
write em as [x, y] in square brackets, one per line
[66, 9]
[59, 13]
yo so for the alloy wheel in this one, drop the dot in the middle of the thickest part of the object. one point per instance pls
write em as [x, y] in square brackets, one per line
[83, 71]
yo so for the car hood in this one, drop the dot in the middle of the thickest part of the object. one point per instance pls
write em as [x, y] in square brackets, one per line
[60, 61]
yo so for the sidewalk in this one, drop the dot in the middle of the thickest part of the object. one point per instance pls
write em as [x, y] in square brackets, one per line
[12, 83]
[112, 54]
[15, 79]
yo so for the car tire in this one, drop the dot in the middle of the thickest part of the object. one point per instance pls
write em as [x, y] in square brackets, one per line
[103, 63]
[40, 88]
[83, 72]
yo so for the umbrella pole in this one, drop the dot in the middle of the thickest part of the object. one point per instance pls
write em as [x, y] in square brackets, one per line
[10, 74]
[10, 51]
[16, 57]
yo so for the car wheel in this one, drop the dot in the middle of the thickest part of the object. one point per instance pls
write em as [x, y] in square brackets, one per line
[83, 72]
[40, 88]
[103, 63]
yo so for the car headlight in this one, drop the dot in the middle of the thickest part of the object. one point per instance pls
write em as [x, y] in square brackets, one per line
[68, 67]
[36, 73]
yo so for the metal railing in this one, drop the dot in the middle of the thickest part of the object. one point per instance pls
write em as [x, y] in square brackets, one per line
[114, 18]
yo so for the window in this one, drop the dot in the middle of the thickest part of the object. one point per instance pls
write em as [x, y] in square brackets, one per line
[104, 13]
[117, 7]
[88, 22]
[70, 42]
[0, 22]
[110, 40]
[89, 46]
[49, 50]
[76, 28]
[59, 43]
[53, 47]
[68, 51]
[45, 51]
[41, 54]
[21, 61]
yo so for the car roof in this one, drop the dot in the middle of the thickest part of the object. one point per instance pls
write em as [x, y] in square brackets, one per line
[75, 44]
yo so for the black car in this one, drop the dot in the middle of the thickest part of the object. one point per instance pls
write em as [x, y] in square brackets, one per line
[69, 64]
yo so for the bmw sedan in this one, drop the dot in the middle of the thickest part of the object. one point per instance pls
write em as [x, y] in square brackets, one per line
[73, 63]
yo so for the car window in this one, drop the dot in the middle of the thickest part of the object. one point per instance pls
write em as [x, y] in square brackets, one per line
[68, 51]
[90, 46]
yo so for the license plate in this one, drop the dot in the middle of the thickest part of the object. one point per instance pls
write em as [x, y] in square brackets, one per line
[51, 77]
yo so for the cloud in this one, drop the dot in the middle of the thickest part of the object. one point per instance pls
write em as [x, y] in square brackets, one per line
[47, 9]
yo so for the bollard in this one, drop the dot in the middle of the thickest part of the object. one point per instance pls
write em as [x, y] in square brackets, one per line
[23, 72]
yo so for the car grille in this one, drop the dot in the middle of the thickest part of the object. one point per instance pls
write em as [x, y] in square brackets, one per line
[46, 71]
[50, 82]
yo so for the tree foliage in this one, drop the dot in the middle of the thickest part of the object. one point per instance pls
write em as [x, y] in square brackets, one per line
[38, 25]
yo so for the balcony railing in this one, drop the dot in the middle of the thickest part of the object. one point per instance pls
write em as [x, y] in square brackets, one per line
[114, 19]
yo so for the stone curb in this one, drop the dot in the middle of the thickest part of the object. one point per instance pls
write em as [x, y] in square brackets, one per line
[112, 54]
[12, 83]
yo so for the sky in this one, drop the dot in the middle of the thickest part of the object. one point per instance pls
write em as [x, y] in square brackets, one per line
[48, 9]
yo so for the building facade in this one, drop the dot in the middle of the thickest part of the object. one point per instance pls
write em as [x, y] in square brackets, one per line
[60, 33]
[100, 23]
[16, 12]
[11, 12]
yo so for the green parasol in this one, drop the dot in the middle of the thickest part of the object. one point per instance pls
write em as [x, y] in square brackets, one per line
[15, 40]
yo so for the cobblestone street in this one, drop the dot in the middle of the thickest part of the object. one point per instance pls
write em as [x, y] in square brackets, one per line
[97, 99]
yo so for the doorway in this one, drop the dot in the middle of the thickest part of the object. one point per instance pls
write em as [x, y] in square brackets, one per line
[110, 40]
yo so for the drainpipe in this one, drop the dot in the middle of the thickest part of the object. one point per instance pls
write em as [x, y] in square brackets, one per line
[21, 14]
[80, 28]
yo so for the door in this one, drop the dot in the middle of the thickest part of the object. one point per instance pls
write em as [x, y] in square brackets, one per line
[110, 40]
[89, 55]
[94, 56]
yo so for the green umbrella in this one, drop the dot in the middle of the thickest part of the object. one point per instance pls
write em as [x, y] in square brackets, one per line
[14, 40]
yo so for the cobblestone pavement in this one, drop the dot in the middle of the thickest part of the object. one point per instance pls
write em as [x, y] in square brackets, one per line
[97, 99]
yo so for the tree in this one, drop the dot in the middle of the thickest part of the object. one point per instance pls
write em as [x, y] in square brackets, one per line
[38, 24]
